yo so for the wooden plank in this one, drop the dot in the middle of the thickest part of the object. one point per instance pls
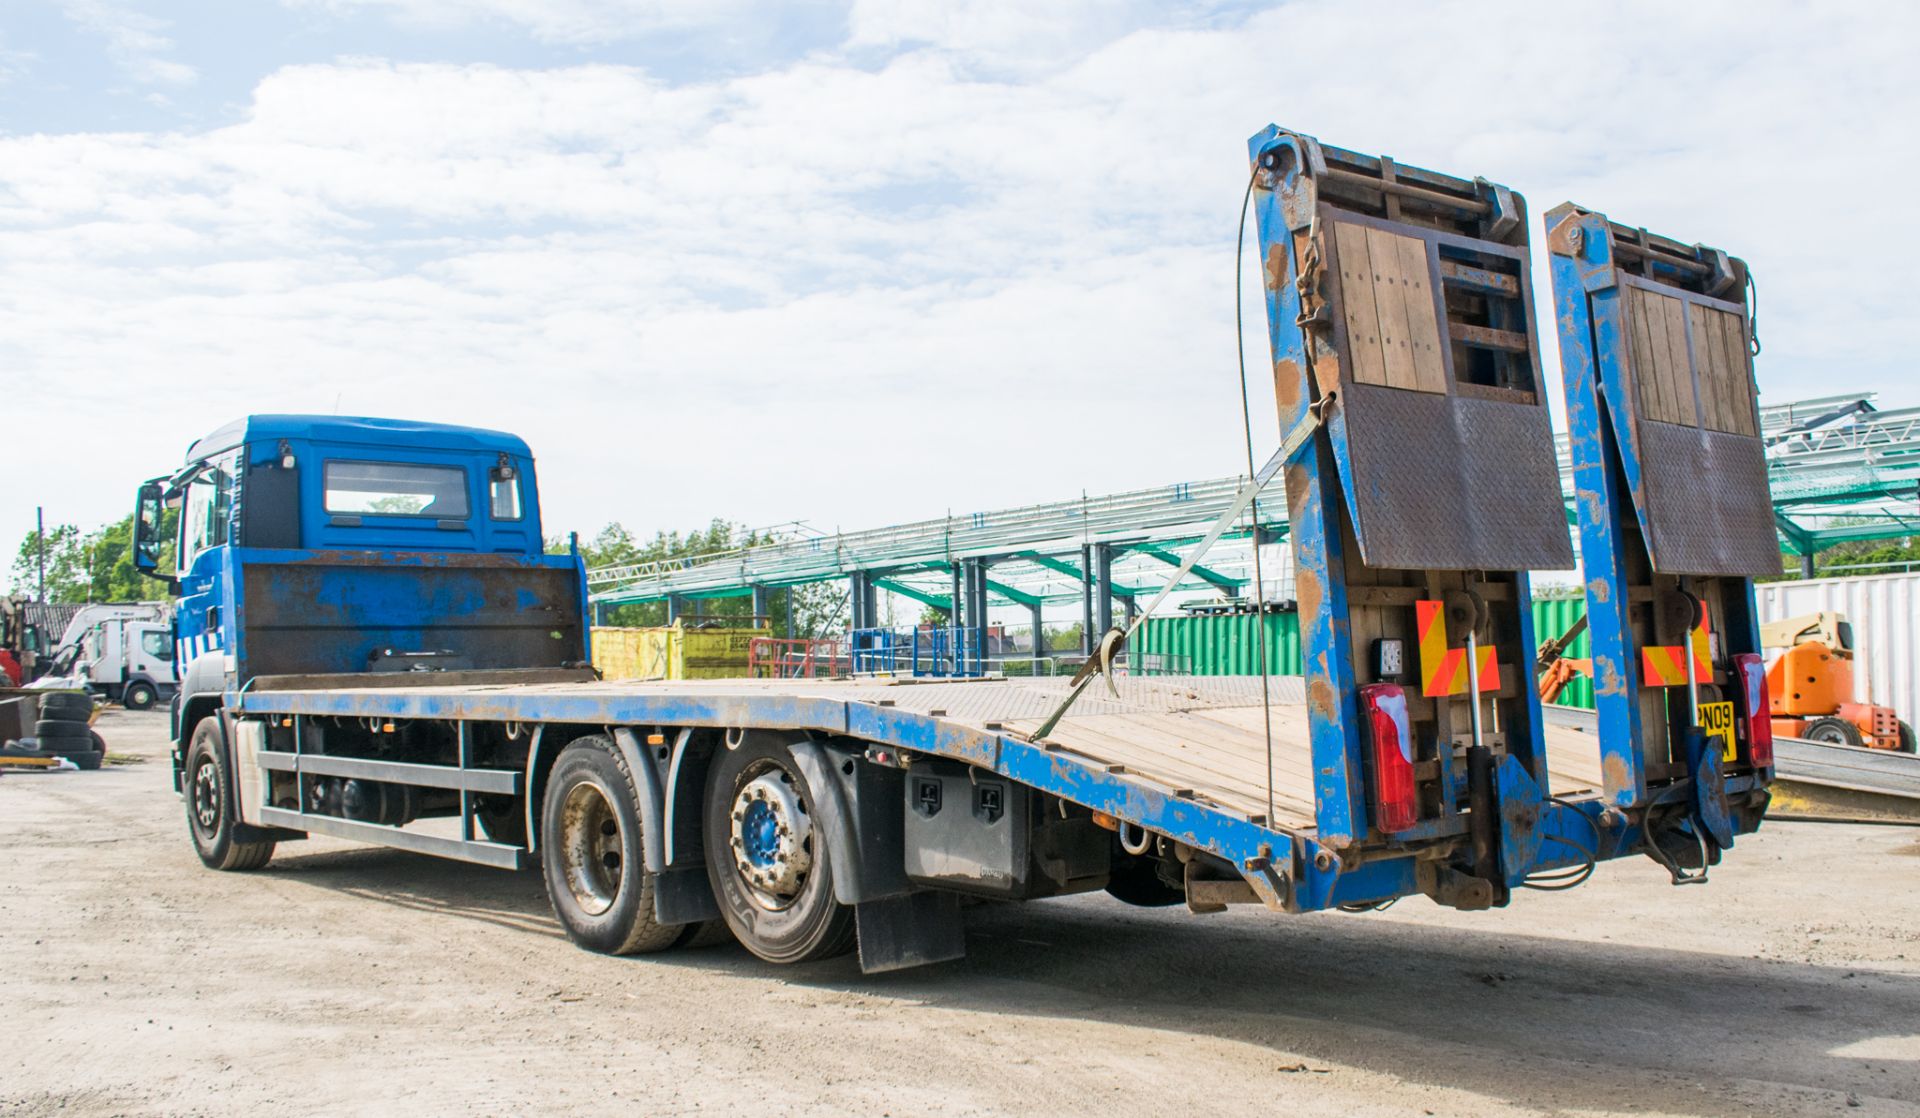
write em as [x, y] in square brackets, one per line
[1740, 373]
[1389, 297]
[1465, 275]
[1187, 751]
[1646, 370]
[1680, 367]
[1736, 388]
[1423, 320]
[1709, 365]
[1117, 739]
[1364, 357]
[1487, 337]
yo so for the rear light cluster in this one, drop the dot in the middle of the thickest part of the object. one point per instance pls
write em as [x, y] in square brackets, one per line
[1395, 806]
[1750, 674]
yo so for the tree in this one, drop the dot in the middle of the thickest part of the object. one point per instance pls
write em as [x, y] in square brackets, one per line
[95, 567]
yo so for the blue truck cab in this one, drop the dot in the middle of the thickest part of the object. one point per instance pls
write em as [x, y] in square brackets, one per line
[333, 545]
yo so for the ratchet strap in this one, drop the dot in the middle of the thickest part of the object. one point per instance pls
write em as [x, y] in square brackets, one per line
[1115, 639]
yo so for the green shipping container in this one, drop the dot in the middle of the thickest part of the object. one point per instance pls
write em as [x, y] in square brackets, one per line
[1552, 617]
[1223, 644]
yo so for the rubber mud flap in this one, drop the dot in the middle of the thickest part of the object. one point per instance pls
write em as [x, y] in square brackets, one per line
[910, 931]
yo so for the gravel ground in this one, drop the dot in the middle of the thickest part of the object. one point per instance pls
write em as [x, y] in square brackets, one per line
[349, 980]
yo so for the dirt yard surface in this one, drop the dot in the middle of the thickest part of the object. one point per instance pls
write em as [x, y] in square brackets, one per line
[343, 979]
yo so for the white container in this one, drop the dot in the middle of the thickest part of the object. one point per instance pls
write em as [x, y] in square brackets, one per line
[1885, 613]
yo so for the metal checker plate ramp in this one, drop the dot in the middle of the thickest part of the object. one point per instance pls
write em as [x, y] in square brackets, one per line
[1454, 482]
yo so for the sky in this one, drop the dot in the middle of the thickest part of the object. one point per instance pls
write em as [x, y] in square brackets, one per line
[845, 263]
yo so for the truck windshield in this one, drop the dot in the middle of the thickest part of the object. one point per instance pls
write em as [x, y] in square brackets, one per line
[396, 489]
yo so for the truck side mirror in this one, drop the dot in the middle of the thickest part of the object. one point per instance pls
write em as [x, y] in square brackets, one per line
[146, 528]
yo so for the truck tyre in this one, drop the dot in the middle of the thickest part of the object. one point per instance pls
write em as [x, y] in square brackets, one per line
[210, 804]
[1834, 731]
[51, 729]
[591, 853]
[501, 820]
[766, 859]
[139, 695]
[66, 706]
[1907, 743]
[1137, 881]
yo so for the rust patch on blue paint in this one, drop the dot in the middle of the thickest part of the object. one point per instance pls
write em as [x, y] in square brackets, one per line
[1607, 679]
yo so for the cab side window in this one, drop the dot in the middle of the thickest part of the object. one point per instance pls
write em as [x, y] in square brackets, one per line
[504, 497]
[207, 512]
[157, 645]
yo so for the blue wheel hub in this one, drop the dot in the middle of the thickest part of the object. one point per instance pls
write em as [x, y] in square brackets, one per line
[760, 834]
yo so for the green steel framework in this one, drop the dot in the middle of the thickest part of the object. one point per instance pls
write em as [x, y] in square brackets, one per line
[1840, 470]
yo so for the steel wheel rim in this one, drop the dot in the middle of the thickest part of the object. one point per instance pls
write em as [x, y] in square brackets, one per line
[206, 798]
[592, 848]
[771, 838]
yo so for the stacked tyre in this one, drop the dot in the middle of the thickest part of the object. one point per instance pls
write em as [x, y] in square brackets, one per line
[63, 730]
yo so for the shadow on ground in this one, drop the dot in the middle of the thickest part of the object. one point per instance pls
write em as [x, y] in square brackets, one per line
[1502, 1014]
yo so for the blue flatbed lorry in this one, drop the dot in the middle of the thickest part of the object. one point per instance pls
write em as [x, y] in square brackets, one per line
[374, 644]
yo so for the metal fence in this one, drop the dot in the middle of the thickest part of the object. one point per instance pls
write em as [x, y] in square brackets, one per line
[940, 652]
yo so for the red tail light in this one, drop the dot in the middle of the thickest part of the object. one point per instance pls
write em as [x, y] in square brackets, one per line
[1395, 807]
[1750, 672]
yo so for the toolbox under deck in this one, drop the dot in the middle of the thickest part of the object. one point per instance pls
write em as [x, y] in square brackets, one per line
[1201, 738]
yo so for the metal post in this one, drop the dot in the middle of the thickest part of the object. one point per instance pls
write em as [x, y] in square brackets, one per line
[674, 608]
[1473, 684]
[466, 797]
[1087, 636]
[40, 532]
[760, 608]
[962, 588]
[1806, 564]
[1103, 599]
[1039, 635]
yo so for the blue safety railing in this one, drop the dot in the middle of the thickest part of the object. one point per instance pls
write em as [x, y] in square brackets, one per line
[947, 653]
[875, 651]
[951, 652]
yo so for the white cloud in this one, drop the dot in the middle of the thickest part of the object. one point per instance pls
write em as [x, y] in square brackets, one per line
[550, 21]
[134, 41]
[855, 294]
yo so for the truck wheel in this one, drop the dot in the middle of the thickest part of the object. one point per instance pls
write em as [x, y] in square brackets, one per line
[501, 820]
[1834, 731]
[210, 805]
[1137, 881]
[139, 696]
[1907, 743]
[767, 862]
[590, 853]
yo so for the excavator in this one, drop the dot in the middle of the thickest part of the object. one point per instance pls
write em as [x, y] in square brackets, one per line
[1811, 683]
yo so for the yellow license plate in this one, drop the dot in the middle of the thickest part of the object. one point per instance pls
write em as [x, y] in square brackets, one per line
[1717, 720]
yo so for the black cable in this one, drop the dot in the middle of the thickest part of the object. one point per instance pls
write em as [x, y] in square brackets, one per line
[1246, 423]
[1568, 878]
